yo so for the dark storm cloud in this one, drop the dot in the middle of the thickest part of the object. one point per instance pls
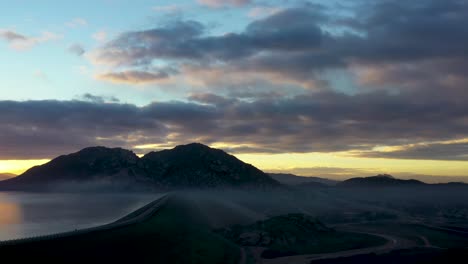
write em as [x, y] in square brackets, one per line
[319, 122]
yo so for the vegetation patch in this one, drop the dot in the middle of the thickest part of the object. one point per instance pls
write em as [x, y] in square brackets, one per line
[294, 234]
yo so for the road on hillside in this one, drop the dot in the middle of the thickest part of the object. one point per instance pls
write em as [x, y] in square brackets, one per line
[447, 229]
[392, 244]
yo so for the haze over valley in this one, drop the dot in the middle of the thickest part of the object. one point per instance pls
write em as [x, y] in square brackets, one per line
[277, 218]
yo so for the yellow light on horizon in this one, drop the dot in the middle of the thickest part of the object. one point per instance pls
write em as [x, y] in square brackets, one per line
[19, 166]
[292, 161]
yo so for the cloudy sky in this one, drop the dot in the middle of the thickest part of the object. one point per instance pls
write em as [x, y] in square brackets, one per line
[324, 88]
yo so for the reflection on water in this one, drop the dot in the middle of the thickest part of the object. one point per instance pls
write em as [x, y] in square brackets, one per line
[10, 217]
[10, 214]
[32, 214]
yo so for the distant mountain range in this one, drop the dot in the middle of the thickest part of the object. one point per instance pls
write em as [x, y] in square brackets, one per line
[381, 180]
[4, 176]
[291, 179]
[378, 181]
[186, 166]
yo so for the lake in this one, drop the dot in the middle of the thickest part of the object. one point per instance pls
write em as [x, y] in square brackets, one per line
[33, 214]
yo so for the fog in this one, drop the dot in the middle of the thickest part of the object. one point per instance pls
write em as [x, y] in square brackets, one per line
[32, 214]
[334, 205]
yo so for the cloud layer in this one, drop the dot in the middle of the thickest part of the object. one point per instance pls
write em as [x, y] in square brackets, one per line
[22, 42]
[376, 79]
[318, 122]
[412, 48]
[223, 3]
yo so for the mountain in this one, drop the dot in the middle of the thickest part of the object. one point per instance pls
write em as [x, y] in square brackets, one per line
[193, 165]
[88, 165]
[381, 180]
[197, 165]
[291, 179]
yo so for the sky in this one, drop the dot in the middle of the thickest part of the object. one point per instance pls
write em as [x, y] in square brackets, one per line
[319, 88]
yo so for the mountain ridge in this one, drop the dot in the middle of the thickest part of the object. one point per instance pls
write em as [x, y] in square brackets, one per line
[215, 166]
[186, 166]
[192, 165]
[381, 180]
[292, 179]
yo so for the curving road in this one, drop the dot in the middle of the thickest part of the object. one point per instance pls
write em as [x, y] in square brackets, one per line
[140, 215]
[447, 229]
[392, 244]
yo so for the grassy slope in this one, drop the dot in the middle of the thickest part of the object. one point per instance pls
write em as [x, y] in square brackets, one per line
[172, 236]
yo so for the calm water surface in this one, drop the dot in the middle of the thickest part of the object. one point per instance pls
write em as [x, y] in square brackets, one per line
[32, 214]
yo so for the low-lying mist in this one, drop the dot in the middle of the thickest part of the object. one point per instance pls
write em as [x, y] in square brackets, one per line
[331, 205]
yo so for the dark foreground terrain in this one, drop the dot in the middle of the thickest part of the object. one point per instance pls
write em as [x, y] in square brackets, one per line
[404, 256]
[171, 235]
[284, 226]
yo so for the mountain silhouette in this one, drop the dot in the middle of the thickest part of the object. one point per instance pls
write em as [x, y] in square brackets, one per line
[197, 165]
[291, 179]
[381, 180]
[91, 164]
[187, 166]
